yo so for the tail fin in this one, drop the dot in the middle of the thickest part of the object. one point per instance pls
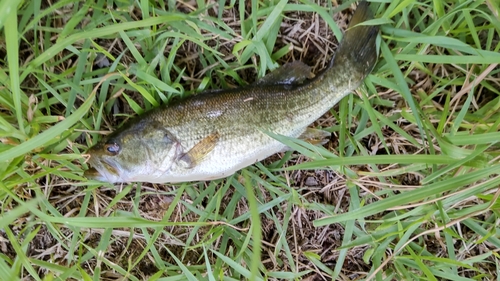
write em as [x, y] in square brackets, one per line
[358, 47]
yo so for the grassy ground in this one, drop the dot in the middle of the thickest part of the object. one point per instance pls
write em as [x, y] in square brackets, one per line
[406, 189]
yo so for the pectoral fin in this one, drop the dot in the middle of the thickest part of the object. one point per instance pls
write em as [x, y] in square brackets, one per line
[199, 151]
[292, 73]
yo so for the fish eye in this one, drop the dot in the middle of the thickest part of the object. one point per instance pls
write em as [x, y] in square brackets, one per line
[112, 148]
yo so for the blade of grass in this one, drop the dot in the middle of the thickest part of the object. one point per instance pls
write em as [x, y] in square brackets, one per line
[12, 44]
[411, 196]
[96, 33]
[8, 9]
[49, 134]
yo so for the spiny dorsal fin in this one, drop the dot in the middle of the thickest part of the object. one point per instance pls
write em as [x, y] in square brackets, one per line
[292, 73]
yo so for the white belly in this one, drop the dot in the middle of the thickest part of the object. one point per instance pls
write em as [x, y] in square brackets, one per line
[223, 162]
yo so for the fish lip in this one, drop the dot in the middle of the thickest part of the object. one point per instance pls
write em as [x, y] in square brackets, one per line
[102, 170]
[94, 174]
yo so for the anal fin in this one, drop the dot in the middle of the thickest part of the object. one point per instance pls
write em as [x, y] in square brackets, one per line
[315, 136]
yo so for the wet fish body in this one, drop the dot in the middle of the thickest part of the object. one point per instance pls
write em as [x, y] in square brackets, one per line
[214, 134]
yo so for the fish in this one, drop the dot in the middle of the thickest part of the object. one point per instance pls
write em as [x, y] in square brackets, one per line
[213, 134]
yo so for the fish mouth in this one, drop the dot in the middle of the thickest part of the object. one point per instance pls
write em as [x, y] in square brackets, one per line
[93, 174]
[101, 171]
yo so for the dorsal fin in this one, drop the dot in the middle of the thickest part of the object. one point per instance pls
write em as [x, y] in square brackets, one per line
[292, 73]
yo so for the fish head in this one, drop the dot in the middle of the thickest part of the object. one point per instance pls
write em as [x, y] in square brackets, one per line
[140, 152]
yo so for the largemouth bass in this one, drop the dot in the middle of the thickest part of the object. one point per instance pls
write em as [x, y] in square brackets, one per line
[214, 134]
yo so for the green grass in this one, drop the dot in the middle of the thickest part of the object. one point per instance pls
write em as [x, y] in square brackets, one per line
[407, 190]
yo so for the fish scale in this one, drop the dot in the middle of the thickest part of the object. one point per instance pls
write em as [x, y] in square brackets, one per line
[214, 134]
